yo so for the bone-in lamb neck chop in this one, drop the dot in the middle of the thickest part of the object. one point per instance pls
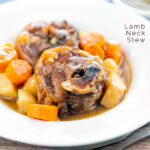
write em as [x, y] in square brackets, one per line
[39, 36]
[69, 78]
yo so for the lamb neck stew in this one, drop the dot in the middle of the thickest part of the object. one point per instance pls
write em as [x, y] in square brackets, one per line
[54, 72]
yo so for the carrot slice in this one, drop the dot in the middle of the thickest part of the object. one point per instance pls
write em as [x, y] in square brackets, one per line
[114, 51]
[7, 54]
[18, 71]
[42, 112]
[92, 43]
[95, 49]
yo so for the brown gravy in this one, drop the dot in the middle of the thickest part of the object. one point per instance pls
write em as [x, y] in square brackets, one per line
[126, 74]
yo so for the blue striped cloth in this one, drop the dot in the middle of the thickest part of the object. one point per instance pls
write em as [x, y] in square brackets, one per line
[110, 1]
[4, 1]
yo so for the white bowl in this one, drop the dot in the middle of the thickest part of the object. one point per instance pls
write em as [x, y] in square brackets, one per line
[126, 7]
[92, 15]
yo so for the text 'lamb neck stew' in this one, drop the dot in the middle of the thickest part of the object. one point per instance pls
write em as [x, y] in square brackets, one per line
[54, 72]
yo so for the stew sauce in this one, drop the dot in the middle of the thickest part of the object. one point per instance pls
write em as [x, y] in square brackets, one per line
[126, 74]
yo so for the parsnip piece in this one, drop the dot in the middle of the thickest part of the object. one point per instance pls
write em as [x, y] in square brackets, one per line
[30, 85]
[24, 98]
[7, 88]
[114, 91]
[110, 65]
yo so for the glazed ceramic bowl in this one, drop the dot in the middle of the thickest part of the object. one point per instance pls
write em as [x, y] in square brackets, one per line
[91, 15]
[126, 7]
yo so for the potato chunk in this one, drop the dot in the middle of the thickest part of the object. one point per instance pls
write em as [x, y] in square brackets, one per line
[115, 89]
[110, 65]
[30, 85]
[7, 88]
[24, 98]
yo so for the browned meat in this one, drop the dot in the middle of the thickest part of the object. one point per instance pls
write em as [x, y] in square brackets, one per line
[71, 79]
[36, 37]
